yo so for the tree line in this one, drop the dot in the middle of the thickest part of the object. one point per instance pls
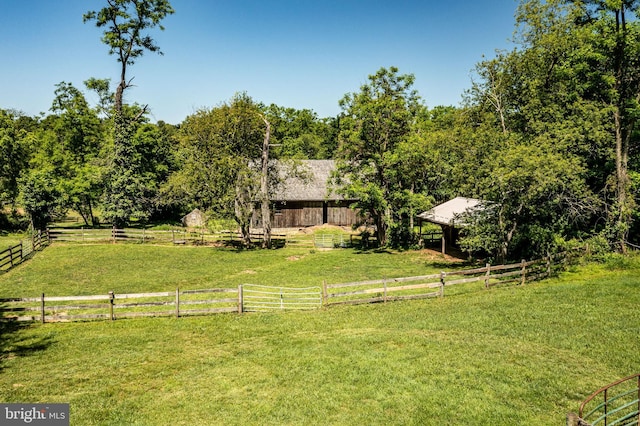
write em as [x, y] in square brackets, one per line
[546, 136]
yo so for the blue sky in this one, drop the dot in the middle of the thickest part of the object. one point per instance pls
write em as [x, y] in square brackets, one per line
[294, 53]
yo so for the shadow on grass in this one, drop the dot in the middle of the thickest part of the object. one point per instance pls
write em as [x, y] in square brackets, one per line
[372, 250]
[237, 245]
[15, 344]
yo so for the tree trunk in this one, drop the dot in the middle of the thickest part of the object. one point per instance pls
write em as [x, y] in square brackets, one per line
[381, 230]
[623, 129]
[121, 86]
[243, 223]
[264, 189]
[622, 182]
[91, 217]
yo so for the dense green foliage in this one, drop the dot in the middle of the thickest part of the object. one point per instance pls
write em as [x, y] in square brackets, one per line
[128, 187]
[517, 355]
[547, 137]
[374, 123]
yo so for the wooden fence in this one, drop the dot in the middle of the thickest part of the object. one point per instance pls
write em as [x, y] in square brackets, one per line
[257, 298]
[198, 237]
[115, 306]
[143, 236]
[426, 286]
[25, 249]
[178, 303]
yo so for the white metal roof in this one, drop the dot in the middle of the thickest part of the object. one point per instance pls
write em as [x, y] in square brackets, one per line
[448, 213]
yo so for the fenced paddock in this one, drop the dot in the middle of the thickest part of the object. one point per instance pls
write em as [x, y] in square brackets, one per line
[259, 298]
[147, 236]
[198, 237]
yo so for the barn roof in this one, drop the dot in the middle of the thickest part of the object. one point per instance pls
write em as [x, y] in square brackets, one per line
[449, 212]
[315, 187]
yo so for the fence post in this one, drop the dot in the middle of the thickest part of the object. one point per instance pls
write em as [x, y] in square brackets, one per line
[573, 419]
[523, 272]
[42, 308]
[442, 275]
[638, 399]
[487, 276]
[177, 302]
[11, 255]
[240, 299]
[384, 283]
[113, 234]
[281, 299]
[111, 297]
[324, 293]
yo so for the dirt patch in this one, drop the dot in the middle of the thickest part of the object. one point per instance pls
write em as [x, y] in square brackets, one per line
[435, 255]
[311, 229]
[249, 272]
[294, 258]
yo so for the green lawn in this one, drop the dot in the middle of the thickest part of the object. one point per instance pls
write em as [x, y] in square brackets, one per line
[516, 355]
[11, 239]
[127, 268]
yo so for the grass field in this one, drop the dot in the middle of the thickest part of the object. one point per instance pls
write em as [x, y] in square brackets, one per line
[516, 355]
[10, 239]
[94, 269]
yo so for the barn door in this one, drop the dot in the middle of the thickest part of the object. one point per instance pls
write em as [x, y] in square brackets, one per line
[325, 212]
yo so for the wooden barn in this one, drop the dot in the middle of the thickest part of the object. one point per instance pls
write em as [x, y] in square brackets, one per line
[302, 202]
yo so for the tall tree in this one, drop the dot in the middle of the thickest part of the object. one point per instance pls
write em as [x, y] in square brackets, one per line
[222, 153]
[588, 86]
[532, 196]
[125, 23]
[14, 150]
[300, 133]
[373, 123]
[624, 66]
[74, 150]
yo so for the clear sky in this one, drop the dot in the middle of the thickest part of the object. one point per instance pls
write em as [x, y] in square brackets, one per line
[294, 53]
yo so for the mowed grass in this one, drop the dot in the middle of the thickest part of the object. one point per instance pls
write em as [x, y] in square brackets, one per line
[11, 239]
[127, 268]
[516, 355]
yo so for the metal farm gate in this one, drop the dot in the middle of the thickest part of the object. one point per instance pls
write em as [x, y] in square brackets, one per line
[261, 298]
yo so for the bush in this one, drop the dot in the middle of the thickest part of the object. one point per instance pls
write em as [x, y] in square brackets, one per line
[401, 237]
[13, 222]
[598, 246]
[617, 261]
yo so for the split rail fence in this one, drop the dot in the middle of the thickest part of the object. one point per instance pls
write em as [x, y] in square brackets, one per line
[196, 237]
[426, 286]
[16, 254]
[143, 236]
[178, 303]
[259, 298]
